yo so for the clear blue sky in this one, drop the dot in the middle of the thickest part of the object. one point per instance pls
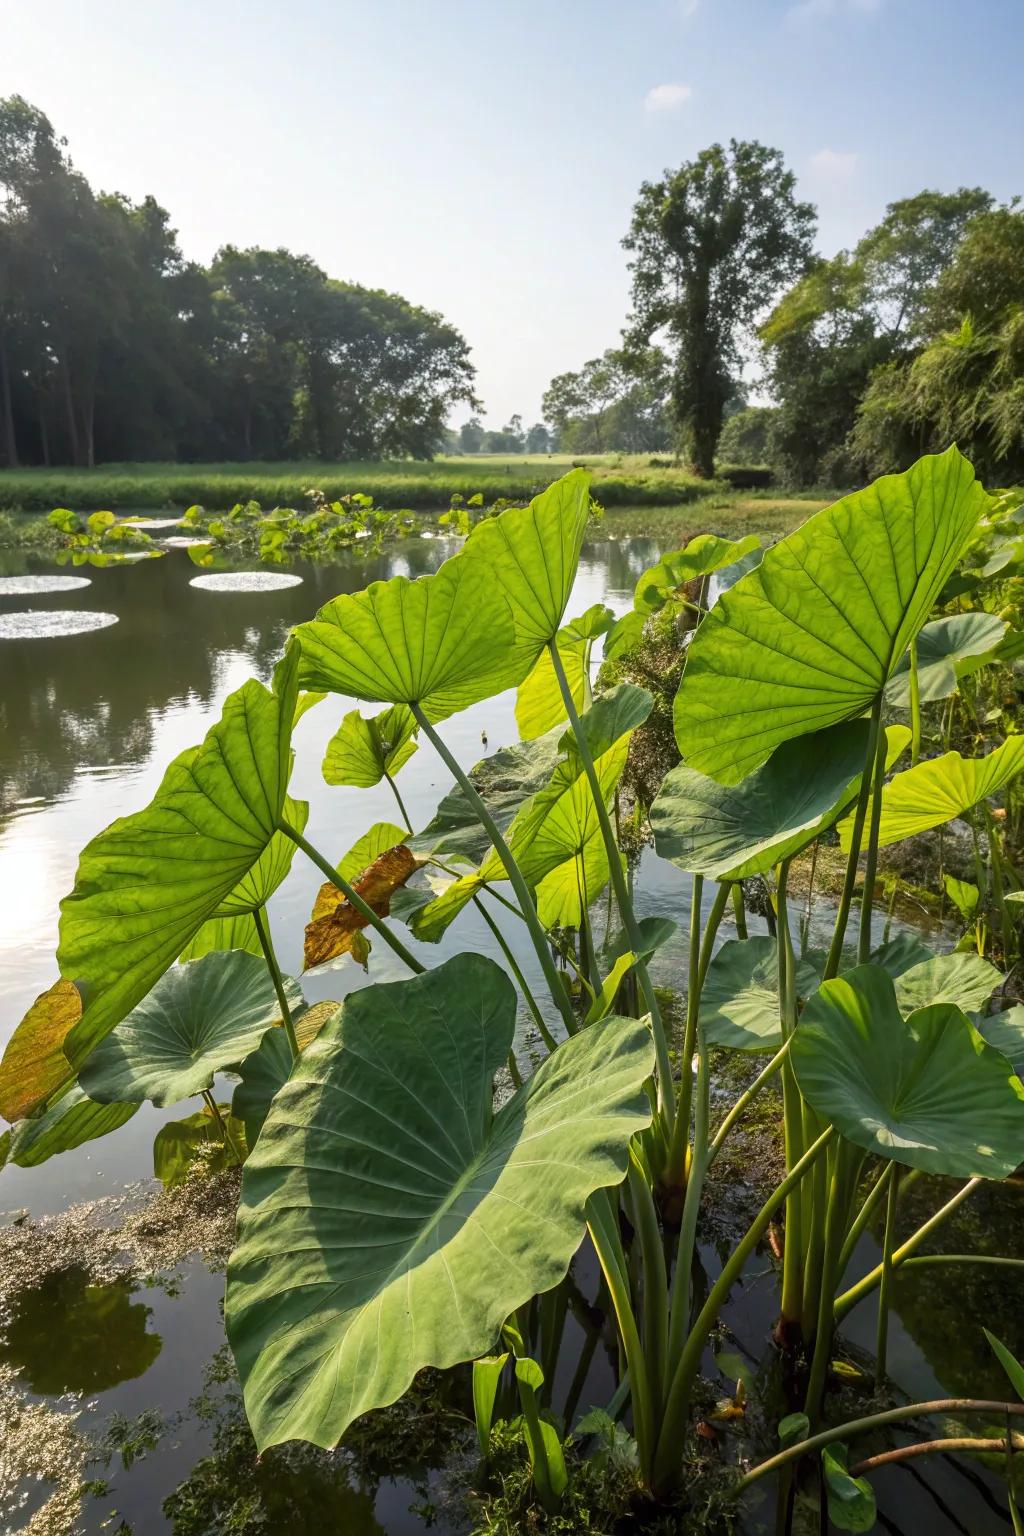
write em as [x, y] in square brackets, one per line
[482, 157]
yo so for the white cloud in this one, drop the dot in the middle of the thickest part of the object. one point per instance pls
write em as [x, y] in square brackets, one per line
[834, 164]
[666, 98]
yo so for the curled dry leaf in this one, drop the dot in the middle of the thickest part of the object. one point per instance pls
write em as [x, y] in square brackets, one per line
[335, 925]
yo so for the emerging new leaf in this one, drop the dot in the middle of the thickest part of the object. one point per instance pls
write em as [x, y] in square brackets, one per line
[362, 751]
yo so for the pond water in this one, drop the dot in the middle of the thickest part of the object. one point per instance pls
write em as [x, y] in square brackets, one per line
[89, 721]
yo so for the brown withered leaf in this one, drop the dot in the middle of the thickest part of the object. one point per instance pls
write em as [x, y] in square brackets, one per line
[34, 1064]
[334, 924]
[309, 1024]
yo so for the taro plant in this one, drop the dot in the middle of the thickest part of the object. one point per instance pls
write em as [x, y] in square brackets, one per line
[394, 1215]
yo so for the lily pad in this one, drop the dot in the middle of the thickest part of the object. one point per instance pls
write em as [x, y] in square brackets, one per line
[199, 1018]
[240, 581]
[33, 586]
[811, 636]
[406, 1240]
[51, 623]
[943, 647]
[926, 1090]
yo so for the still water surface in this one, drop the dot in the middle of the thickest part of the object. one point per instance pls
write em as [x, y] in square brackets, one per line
[88, 722]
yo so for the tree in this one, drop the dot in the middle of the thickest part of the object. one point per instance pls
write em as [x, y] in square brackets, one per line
[711, 245]
[615, 401]
[746, 435]
[846, 318]
[471, 435]
[538, 439]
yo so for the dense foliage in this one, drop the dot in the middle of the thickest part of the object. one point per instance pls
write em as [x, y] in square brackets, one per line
[396, 1213]
[114, 347]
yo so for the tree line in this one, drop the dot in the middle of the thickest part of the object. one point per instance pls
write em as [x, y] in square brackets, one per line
[114, 347]
[910, 341]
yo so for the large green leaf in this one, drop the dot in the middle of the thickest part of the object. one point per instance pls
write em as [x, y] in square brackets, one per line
[224, 933]
[539, 703]
[730, 832]
[702, 555]
[962, 978]
[505, 781]
[935, 791]
[926, 1090]
[71, 1122]
[148, 882]
[1005, 1033]
[390, 1220]
[199, 1018]
[813, 634]
[362, 751]
[944, 647]
[530, 554]
[443, 641]
[256, 887]
[739, 1003]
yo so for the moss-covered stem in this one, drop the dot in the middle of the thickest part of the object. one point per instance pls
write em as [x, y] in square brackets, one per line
[353, 897]
[516, 969]
[885, 1284]
[259, 917]
[666, 1092]
[835, 953]
[865, 1286]
[526, 902]
[677, 1406]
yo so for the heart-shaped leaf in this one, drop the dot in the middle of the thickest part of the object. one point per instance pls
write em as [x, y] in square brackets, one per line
[943, 647]
[441, 641]
[702, 555]
[1005, 1033]
[964, 979]
[390, 1220]
[730, 832]
[362, 751]
[224, 933]
[34, 1066]
[257, 886]
[269, 1066]
[812, 635]
[199, 1018]
[851, 1500]
[927, 1090]
[935, 791]
[739, 1003]
[148, 882]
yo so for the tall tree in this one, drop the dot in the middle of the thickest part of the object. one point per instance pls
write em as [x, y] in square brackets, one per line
[712, 243]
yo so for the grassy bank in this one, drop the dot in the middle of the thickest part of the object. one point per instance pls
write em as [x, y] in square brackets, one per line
[729, 513]
[618, 481]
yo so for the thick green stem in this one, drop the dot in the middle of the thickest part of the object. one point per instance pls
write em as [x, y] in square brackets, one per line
[834, 1225]
[864, 1287]
[871, 861]
[739, 909]
[885, 1284]
[793, 1250]
[872, 1200]
[608, 1247]
[401, 802]
[666, 1092]
[835, 954]
[516, 969]
[259, 917]
[855, 1427]
[677, 1406]
[526, 902]
[222, 1125]
[655, 1293]
[915, 705]
[998, 886]
[353, 897]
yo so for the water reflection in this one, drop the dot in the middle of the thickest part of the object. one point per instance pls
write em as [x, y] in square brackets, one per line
[70, 1335]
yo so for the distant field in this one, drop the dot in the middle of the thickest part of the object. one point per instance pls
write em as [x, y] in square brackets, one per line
[618, 481]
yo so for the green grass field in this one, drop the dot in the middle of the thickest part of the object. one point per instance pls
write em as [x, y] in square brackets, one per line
[619, 480]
